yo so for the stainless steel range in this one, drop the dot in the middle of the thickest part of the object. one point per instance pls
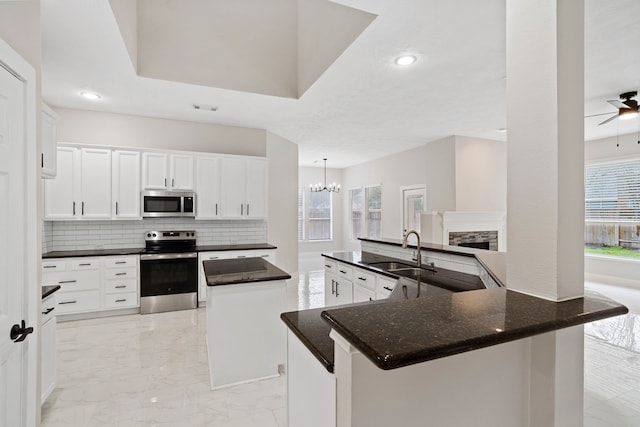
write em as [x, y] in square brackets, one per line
[169, 272]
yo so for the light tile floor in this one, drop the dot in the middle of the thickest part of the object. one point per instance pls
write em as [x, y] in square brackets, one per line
[152, 370]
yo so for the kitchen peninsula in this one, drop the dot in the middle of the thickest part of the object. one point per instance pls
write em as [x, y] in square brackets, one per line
[245, 339]
[460, 358]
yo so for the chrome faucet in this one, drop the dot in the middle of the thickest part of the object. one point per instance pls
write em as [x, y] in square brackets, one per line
[418, 256]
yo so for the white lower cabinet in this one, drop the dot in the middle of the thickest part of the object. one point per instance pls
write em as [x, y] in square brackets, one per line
[268, 254]
[48, 377]
[344, 283]
[93, 284]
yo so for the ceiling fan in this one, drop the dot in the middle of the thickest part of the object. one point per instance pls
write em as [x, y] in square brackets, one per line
[627, 107]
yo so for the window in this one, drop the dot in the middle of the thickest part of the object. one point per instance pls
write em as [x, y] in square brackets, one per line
[366, 212]
[301, 221]
[315, 220]
[612, 208]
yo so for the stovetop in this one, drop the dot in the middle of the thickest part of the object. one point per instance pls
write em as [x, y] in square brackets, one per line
[169, 241]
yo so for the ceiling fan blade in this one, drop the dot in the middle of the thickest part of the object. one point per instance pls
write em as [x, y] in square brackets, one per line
[596, 115]
[618, 104]
[615, 116]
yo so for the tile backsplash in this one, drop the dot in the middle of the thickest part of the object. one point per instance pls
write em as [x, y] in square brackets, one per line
[82, 235]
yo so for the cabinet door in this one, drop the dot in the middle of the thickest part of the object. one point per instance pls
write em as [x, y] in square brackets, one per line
[256, 188]
[234, 184]
[208, 187]
[95, 183]
[154, 171]
[344, 291]
[48, 143]
[181, 172]
[125, 201]
[48, 366]
[360, 294]
[61, 193]
[329, 289]
[202, 280]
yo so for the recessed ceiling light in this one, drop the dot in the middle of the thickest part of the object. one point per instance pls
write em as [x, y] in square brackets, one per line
[405, 60]
[90, 95]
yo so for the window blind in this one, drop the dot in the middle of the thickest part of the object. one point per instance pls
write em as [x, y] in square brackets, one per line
[612, 191]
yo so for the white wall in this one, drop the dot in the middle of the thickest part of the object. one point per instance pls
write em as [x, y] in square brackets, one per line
[313, 175]
[124, 130]
[283, 212]
[481, 174]
[432, 164]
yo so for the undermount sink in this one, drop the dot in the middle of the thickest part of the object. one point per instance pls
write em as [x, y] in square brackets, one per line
[412, 273]
[391, 265]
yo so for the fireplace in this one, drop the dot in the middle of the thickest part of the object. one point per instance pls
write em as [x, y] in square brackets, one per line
[475, 239]
[484, 230]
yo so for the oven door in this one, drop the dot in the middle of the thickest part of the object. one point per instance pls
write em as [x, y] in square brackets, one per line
[167, 274]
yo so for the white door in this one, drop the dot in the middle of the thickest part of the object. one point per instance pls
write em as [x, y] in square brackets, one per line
[256, 188]
[208, 187]
[13, 273]
[61, 193]
[126, 185]
[154, 171]
[414, 202]
[95, 183]
[181, 172]
[234, 187]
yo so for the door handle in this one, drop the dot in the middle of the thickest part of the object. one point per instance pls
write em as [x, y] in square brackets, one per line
[19, 333]
[82, 208]
[74, 208]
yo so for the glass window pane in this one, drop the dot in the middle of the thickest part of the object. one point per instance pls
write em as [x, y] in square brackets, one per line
[374, 211]
[300, 215]
[356, 213]
[320, 227]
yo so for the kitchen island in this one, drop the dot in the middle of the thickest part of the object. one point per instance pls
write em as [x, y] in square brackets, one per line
[245, 339]
[449, 359]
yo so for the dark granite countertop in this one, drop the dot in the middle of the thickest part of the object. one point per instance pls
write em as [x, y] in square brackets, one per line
[49, 290]
[91, 253]
[137, 251]
[241, 270]
[421, 329]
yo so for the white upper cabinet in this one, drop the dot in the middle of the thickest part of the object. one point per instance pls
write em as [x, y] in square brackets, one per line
[95, 183]
[244, 188]
[125, 198]
[181, 171]
[48, 143]
[208, 187]
[161, 171]
[256, 188]
[62, 192]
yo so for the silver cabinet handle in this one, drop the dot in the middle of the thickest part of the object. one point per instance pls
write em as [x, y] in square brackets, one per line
[84, 264]
[74, 208]
[121, 262]
[173, 182]
[50, 266]
[121, 274]
[333, 289]
[216, 209]
[165, 182]
[116, 208]
[241, 209]
[68, 302]
[337, 287]
[121, 286]
[121, 300]
[213, 257]
[67, 281]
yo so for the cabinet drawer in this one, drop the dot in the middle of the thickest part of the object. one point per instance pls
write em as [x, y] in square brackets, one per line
[85, 264]
[216, 255]
[121, 300]
[121, 273]
[73, 280]
[345, 271]
[330, 266]
[364, 279]
[384, 286]
[75, 302]
[121, 285]
[50, 266]
[120, 262]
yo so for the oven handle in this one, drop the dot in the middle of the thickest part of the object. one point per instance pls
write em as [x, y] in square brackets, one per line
[151, 257]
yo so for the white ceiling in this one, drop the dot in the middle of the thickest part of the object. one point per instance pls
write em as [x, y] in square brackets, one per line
[363, 107]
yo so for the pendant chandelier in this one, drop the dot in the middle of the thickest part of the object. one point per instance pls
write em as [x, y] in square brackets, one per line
[330, 188]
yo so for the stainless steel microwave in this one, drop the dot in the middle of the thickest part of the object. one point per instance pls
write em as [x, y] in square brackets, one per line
[162, 203]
